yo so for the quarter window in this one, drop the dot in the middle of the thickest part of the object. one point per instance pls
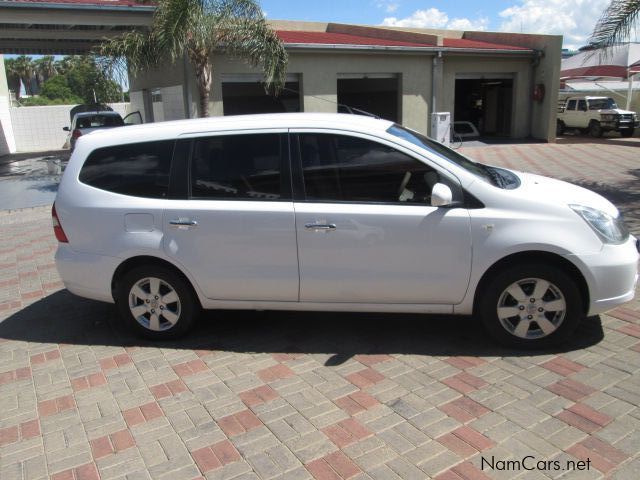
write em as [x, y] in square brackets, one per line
[238, 167]
[571, 105]
[351, 169]
[139, 170]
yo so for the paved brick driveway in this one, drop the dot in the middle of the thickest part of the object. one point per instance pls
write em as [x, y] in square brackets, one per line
[303, 395]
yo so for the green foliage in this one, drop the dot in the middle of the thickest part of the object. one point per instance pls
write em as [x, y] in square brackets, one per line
[617, 23]
[57, 88]
[74, 79]
[197, 28]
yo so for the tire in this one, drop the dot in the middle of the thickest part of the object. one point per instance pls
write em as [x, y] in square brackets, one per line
[561, 303]
[595, 130]
[560, 128]
[143, 288]
[627, 132]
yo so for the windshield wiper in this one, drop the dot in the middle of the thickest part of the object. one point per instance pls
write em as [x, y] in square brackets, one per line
[497, 179]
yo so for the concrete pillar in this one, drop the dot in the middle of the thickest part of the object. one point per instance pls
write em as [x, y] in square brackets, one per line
[319, 92]
[7, 140]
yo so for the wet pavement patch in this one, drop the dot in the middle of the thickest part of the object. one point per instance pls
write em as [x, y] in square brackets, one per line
[29, 180]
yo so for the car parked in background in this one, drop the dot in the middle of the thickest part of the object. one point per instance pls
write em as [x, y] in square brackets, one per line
[85, 122]
[594, 115]
[330, 212]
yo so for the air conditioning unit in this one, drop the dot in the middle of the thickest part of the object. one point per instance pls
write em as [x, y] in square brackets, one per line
[441, 127]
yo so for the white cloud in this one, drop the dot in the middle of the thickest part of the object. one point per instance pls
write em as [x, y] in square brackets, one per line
[574, 19]
[434, 18]
[389, 6]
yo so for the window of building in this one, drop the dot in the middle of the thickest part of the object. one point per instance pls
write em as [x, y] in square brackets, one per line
[237, 167]
[351, 169]
[139, 170]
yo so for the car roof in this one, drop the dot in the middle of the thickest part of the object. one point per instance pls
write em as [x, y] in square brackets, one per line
[177, 128]
[91, 114]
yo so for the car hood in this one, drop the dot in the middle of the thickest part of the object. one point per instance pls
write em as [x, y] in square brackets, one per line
[615, 111]
[539, 188]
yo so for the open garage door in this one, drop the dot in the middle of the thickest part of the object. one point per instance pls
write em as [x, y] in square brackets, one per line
[374, 93]
[486, 102]
[245, 94]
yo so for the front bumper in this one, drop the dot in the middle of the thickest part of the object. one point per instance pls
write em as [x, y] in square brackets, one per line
[611, 275]
[86, 275]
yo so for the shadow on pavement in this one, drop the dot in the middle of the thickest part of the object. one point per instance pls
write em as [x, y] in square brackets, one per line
[625, 196]
[65, 318]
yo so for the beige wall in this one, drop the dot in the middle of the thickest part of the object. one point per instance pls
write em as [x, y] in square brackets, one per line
[546, 71]
[319, 74]
[319, 70]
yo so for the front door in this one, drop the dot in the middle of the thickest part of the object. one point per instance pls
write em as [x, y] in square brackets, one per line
[236, 233]
[367, 232]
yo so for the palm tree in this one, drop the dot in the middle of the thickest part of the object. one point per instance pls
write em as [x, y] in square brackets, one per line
[616, 23]
[24, 69]
[13, 76]
[197, 28]
[45, 68]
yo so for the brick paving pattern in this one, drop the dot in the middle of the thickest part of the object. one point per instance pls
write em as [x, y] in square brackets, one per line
[290, 395]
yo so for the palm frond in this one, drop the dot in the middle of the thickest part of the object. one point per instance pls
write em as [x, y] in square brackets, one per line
[616, 23]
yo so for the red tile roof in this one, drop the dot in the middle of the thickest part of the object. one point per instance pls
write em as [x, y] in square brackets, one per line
[478, 45]
[324, 38]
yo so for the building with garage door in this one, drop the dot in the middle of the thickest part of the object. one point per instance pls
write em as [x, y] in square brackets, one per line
[506, 84]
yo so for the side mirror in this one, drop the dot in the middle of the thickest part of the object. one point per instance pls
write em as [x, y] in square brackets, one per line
[66, 129]
[441, 195]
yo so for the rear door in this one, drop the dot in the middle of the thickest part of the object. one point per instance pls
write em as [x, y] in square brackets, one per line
[236, 232]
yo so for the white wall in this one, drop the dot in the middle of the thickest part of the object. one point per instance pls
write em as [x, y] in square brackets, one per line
[40, 128]
[7, 142]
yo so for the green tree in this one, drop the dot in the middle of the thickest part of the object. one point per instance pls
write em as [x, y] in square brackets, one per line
[197, 28]
[22, 66]
[13, 76]
[616, 23]
[90, 82]
[57, 88]
[44, 69]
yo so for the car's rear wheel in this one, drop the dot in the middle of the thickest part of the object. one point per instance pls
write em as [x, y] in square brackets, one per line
[560, 128]
[595, 129]
[156, 303]
[532, 306]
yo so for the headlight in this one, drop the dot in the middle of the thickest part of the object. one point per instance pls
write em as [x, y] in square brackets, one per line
[609, 229]
[608, 117]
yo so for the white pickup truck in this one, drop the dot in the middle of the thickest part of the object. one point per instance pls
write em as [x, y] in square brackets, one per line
[594, 115]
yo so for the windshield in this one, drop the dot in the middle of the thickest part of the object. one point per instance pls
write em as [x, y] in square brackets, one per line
[495, 176]
[602, 104]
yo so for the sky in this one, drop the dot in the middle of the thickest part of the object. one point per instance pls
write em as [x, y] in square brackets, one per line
[574, 19]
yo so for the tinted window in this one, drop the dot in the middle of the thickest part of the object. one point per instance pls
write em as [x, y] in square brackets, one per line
[571, 105]
[350, 169]
[244, 167]
[582, 105]
[140, 169]
[99, 121]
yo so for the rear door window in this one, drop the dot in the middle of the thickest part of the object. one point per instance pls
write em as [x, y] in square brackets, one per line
[139, 169]
[571, 105]
[240, 167]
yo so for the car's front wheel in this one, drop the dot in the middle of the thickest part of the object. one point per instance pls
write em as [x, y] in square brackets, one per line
[595, 129]
[627, 132]
[532, 306]
[156, 302]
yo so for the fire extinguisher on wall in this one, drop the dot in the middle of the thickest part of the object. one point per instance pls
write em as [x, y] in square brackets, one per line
[538, 93]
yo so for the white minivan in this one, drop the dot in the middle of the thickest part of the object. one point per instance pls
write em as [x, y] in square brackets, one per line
[330, 212]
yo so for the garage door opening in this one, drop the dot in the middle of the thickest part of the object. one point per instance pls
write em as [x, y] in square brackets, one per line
[378, 96]
[486, 103]
[248, 97]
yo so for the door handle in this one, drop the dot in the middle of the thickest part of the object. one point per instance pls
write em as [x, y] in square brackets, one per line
[183, 222]
[325, 227]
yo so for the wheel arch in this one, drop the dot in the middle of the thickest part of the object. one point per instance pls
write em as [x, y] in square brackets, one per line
[148, 260]
[539, 257]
